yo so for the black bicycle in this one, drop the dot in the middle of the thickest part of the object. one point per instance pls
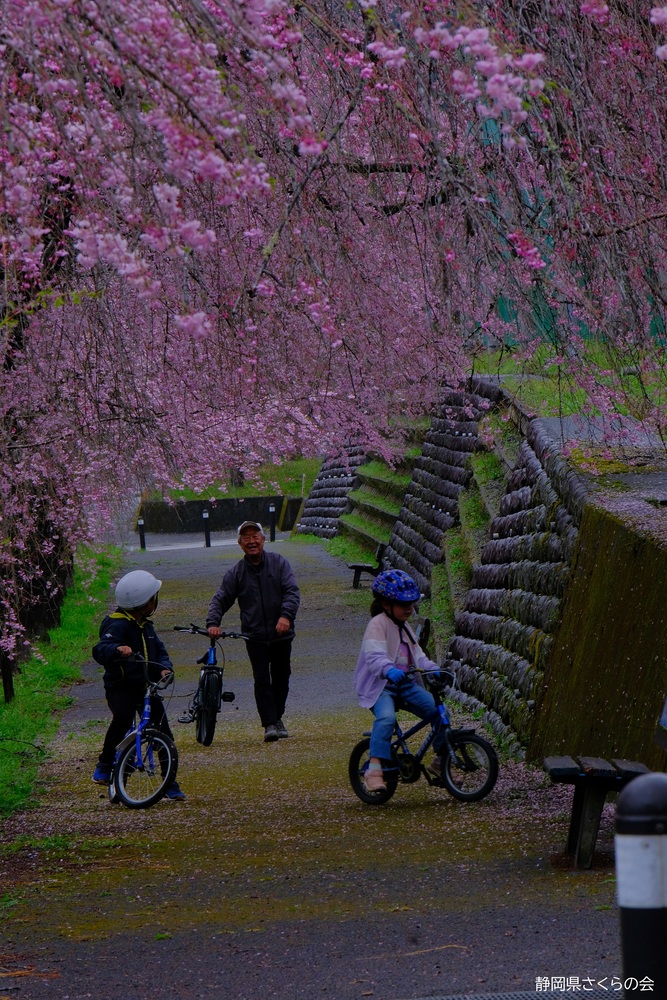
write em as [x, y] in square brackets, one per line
[146, 759]
[207, 699]
[466, 764]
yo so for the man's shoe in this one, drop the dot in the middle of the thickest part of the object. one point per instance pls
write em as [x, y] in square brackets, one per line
[271, 734]
[174, 792]
[374, 781]
[102, 775]
[282, 730]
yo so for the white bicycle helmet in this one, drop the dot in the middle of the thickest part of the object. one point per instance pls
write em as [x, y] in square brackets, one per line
[136, 589]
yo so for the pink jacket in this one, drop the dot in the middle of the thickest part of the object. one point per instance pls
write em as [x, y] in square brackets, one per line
[378, 652]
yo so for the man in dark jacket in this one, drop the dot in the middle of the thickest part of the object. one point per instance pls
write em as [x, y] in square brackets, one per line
[129, 646]
[266, 589]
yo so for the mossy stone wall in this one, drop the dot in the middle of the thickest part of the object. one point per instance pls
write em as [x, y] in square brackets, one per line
[606, 678]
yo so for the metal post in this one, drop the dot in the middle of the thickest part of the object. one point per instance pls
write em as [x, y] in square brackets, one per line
[142, 533]
[207, 530]
[641, 879]
[272, 522]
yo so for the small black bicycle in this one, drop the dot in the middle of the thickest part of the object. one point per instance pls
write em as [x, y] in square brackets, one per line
[207, 699]
[146, 759]
[467, 764]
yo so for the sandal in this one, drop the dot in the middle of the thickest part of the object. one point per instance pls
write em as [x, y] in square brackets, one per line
[374, 780]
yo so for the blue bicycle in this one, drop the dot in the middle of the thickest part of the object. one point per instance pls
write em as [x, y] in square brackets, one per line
[207, 699]
[146, 759]
[466, 764]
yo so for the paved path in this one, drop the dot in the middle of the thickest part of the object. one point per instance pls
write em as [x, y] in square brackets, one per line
[272, 880]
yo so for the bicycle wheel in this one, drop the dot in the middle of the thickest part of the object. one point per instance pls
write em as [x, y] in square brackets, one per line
[207, 714]
[359, 760]
[113, 794]
[141, 782]
[471, 771]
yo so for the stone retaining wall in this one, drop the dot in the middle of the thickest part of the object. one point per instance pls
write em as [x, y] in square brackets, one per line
[441, 472]
[504, 635]
[327, 499]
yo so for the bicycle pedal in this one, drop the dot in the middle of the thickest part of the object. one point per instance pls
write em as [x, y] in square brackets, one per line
[186, 717]
[228, 696]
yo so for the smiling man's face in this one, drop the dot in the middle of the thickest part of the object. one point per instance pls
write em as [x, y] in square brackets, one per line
[252, 542]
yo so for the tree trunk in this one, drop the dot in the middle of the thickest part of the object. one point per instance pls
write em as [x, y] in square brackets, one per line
[7, 678]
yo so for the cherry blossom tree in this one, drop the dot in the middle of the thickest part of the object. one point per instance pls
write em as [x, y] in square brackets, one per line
[234, 230]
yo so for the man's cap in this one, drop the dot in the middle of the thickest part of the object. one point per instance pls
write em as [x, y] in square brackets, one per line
[249, 524]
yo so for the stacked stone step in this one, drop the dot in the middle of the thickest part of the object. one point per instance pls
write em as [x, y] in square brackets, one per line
[328, 498]
[505, 632]
[431, 504]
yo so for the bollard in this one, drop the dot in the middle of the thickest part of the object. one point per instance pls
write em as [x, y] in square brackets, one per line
[641, 883]
[142, 533]
[272, 522]
[207, 530]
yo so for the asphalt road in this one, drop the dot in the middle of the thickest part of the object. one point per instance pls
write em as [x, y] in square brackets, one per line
[271, 880]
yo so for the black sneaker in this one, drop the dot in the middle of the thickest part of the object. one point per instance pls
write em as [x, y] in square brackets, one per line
[271, 734]
[282, 730]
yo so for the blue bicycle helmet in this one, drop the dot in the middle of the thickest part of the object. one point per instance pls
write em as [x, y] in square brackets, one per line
[395, 585]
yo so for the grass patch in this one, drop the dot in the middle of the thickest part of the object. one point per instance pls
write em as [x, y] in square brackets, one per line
[546, 382]
[28, 722]
[348, 550]
[487, 467]
[378, 470]
[440, 610]
[377, 531]
[383, 503]
[458, 565]
[291, 479]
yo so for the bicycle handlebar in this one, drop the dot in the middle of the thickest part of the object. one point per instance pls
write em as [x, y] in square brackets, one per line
[197, 630]
[162, 682]
[441, 674]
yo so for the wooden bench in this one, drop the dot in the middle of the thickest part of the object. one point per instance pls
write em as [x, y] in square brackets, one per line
[593, 779]
[360, 568]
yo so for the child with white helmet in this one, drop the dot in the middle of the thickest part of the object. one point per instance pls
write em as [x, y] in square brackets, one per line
[123, 634]
[389, 650]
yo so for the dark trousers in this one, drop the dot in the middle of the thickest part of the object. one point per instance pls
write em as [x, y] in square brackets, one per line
[271, 669]
[124, 705]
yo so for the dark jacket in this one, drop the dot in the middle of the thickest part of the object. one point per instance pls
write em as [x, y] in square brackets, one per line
[118, 629]
[265, 593]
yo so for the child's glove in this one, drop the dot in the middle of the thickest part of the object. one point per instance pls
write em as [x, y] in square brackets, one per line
[395, 675]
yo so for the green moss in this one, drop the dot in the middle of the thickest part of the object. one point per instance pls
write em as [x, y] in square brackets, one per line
[606, 679]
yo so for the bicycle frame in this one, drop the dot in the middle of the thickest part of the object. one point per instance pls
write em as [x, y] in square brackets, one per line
[209, 662]
[136, 732]
[435, 726]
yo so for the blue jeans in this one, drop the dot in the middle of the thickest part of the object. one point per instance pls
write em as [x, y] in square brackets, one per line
[412, 697]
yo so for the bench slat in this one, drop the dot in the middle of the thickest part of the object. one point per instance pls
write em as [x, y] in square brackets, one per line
[561, 768]
[630, 768]
[596, 767]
